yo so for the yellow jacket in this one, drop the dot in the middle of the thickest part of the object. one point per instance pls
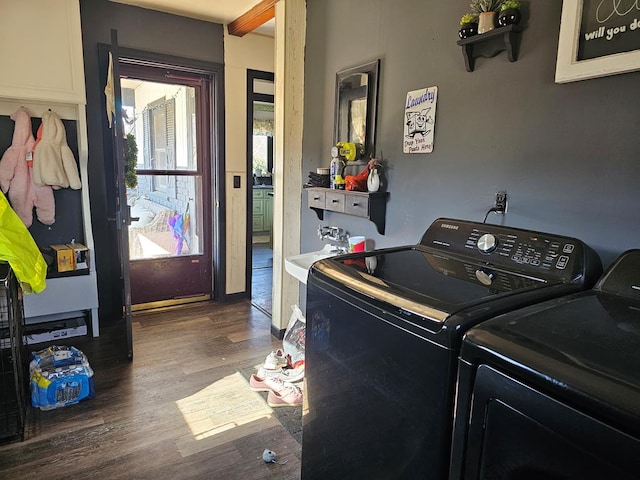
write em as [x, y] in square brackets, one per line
[19, 249]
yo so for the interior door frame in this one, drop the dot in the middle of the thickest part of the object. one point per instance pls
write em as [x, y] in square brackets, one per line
[252, 97]
[160, 289]
[122, 217]
[216, 138]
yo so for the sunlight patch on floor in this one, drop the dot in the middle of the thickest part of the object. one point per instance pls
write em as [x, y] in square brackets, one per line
[222, 412]
[151, 248]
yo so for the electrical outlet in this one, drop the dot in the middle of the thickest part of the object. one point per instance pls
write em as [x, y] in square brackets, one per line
[500, 203]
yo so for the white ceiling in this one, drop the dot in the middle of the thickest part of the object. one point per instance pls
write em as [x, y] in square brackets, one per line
[219, 11]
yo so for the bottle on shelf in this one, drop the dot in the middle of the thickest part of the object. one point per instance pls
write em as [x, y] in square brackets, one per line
[335, 168]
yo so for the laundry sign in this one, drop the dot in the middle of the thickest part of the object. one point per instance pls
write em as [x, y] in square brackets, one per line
[420, 120]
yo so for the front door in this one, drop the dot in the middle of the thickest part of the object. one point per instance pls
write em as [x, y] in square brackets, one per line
[167, 122]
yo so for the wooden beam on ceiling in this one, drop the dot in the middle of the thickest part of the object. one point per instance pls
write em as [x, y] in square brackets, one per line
[249, 21]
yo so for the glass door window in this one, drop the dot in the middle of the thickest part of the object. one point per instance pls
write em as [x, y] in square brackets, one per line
[164, 198]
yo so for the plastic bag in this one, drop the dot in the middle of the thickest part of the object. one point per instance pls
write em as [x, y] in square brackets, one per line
[357, 183]
[19, 249]
[294, 336]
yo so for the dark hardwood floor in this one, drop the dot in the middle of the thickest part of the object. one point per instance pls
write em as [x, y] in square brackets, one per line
[179, 410]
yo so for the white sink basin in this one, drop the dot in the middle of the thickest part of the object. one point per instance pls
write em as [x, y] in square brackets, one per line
[299, 265]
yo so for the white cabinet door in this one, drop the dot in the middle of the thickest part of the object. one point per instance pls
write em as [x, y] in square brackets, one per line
[41, 51]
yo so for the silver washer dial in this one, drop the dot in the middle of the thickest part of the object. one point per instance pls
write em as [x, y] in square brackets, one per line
[485, 277]
[487, 243]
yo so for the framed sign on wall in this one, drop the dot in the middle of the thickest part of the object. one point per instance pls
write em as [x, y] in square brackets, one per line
[420, 120]
[598, 38]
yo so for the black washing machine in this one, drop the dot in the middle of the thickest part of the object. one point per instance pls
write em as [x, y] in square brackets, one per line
[552, 391]
[384, 330]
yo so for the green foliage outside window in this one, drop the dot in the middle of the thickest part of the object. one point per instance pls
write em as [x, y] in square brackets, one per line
[131, 160]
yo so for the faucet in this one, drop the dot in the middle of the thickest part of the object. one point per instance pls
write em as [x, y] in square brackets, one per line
[338, 237]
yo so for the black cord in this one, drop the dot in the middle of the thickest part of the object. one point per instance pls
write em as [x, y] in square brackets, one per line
[488, 212]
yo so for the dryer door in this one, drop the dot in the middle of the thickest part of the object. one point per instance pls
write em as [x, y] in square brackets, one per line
[517, 432]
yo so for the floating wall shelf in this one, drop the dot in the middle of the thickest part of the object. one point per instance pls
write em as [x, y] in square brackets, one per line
[490, 44]
[371, 205]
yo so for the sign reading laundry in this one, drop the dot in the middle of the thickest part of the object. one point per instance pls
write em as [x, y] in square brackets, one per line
[420, 120]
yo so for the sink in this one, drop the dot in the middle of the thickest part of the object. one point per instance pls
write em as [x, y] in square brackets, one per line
[299, 265]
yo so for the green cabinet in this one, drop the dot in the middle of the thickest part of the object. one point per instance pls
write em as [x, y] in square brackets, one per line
[262, 210]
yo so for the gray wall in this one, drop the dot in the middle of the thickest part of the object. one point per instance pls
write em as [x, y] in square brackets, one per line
[568, 155]
[139, 29]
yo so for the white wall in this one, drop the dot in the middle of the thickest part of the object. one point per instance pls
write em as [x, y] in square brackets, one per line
[255, 52]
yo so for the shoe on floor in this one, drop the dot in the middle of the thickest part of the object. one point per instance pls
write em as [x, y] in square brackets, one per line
[276, 360]
[266, 384]
[291, 375]
[290, 396]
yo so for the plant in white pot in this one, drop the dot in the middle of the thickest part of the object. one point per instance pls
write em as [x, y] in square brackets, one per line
[374, 182]
[486, 11]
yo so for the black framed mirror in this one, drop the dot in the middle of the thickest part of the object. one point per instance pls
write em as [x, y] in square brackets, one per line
[356, 106]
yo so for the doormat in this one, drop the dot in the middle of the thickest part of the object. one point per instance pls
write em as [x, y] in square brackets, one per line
[289, 417]
[224, 411]
[261, 238]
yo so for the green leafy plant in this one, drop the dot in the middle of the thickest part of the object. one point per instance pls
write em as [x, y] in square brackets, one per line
[482, 6]
[510, 4]
[131, 160]
[468, 18]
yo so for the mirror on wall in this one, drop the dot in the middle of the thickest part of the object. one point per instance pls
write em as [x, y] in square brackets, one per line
[356, 106]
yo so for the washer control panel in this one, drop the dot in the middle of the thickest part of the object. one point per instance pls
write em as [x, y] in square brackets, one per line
[535, 250]
[531, 252]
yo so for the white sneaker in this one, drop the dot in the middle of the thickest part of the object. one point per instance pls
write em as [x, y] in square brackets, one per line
[275, 360]
[291, 375]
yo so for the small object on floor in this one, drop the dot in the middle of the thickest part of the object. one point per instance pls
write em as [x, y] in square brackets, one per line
[288, 397]
[269, 456]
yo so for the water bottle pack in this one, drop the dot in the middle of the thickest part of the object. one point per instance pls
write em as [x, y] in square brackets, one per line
[60, 376]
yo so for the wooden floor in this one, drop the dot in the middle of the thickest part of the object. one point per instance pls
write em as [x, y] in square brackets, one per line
[262, 277]
[179, 410]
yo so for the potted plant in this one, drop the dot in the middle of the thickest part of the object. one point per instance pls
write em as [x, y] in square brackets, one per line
[486, 11]
[509, 13]
[468, 25]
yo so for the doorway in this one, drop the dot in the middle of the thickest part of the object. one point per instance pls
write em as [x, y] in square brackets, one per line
[260, 149]
[166, 117]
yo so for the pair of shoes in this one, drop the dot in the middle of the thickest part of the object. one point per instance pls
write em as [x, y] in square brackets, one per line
[276, 360]
[290, 396]
[291, 375]
[266, 384]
